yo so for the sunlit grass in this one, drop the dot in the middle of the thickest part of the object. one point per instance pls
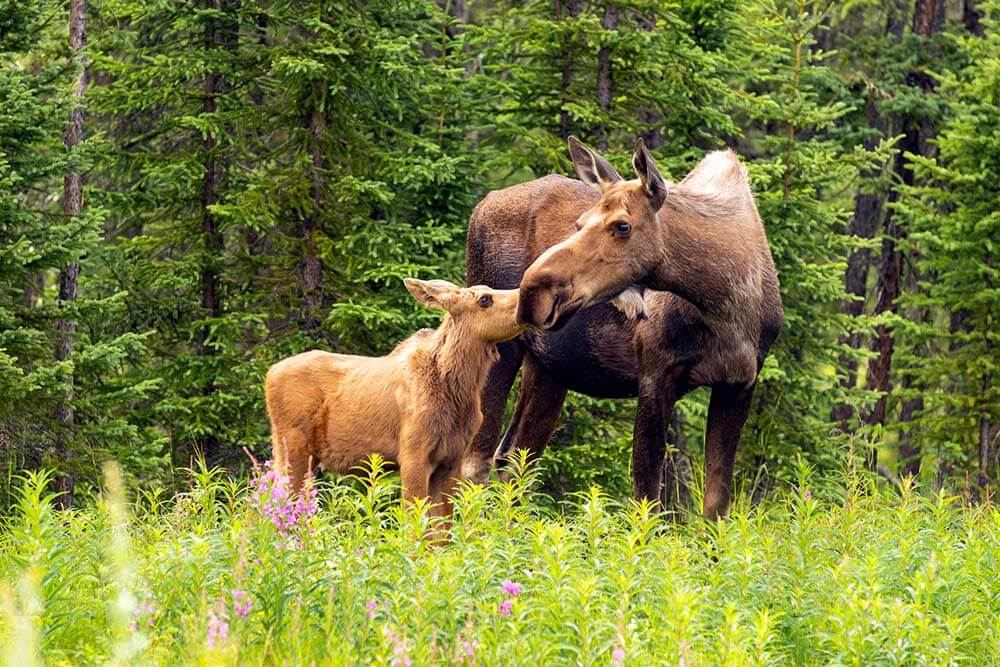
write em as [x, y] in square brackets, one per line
[866, 578]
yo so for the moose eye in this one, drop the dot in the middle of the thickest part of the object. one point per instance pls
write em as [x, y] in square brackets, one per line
[485, 301]
[622, 228]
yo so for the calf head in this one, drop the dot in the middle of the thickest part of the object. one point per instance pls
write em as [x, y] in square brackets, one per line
[617, 242]
[487, 314]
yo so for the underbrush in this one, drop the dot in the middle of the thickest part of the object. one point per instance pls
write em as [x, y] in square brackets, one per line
[219, 576]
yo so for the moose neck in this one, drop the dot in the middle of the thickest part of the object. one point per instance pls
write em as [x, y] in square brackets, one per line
[462, 360]
[704, 262]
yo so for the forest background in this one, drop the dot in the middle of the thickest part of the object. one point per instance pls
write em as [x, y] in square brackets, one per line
[190, 191]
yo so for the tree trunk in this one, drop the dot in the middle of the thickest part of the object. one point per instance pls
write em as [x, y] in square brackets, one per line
[651, 120]
[72, 204]
[604, 75]
[211, 302]
[926, 20]
[312, 266]
[972, 18]
[909, 447]
[573, 8]
[987, 454]
[867, 213]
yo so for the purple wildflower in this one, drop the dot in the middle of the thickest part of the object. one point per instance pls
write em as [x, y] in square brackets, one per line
[289, 512]
[505, 607]
[372, 606]
[241, 604]
[618, 657]
[470, 647]
[218, 631]
[144, 611]
[400, 648]
[510, 588]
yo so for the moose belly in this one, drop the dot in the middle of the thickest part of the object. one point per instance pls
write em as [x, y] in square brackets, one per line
[593, 354]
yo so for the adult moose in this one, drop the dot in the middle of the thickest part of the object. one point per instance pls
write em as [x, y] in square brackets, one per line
[574, 245]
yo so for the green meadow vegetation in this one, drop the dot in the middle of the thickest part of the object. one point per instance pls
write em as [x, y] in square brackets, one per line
[191, 191]
[859, 576]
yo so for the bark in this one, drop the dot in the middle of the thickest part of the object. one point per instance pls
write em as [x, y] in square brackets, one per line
[312, 266]
[927, 19]
[72, 204]
[652, 136]
[909, 447]
[987, 453]
[211, 302]
[604, 74]
[958, 322]
[867, 213]
[972, 18]
[573, 8]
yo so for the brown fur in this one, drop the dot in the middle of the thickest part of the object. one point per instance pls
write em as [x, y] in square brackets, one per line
[711, 310]
[419, 406]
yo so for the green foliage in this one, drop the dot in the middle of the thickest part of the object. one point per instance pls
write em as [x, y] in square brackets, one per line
[799, 173]
[954, 215]
[859, 578]
[37, 240]
[258, 177]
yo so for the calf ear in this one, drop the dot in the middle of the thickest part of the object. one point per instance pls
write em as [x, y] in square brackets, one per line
[592, 169]
[432, 293]
[653, 184]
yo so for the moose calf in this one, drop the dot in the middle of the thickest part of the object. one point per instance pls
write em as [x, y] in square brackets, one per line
[419, 406]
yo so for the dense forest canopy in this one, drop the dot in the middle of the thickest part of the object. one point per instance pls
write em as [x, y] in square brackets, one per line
[190, 191]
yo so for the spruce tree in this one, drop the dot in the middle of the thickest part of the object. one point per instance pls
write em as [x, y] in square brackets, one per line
[953, 215]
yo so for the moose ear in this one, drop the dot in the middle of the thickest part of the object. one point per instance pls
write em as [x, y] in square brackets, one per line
[653, 184]
[592, 169]
[432, 293]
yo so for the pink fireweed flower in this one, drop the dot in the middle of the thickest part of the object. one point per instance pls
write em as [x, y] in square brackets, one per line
[144, 610]
[470, 647]
[290, 513]
[218, 631]
[241, 604]
[400, 648]
[618, 657]
[372, 606]
[505, 607]
[510, 588]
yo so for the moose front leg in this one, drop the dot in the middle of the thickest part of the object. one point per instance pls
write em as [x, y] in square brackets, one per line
[649, 440]
[536, 412]
[660, 385]
[727, 413]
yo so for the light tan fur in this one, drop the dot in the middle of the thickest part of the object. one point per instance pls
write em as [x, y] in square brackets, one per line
[418, 406]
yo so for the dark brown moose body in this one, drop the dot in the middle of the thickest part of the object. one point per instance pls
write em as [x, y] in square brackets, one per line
[418, 406]
[701, 305]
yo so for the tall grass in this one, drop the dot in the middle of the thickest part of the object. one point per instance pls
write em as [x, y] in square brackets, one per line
[206, 578]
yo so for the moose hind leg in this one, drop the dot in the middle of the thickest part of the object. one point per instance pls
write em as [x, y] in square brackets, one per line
[727, 413]
[291, 458]
[539, 402]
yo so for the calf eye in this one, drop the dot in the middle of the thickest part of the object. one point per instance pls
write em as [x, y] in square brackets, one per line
[622, 228]
[485, 301]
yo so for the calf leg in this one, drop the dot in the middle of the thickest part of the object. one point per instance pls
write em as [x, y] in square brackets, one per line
[444, 480]
[415, 477]
[727, 413]
[479, 456]
[291, 459]
[539, 403]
